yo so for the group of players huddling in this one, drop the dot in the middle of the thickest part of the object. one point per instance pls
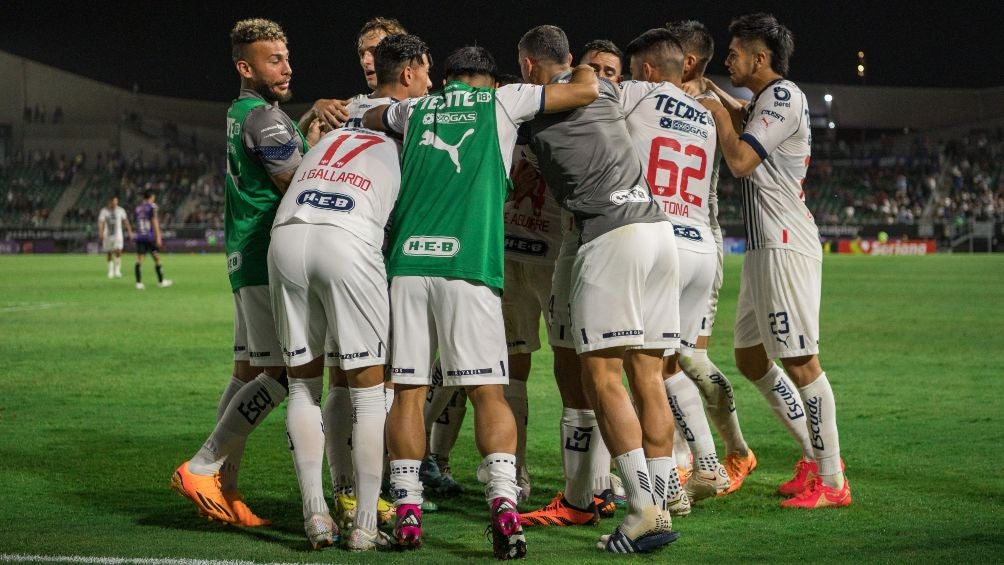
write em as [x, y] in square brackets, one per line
[421, 236]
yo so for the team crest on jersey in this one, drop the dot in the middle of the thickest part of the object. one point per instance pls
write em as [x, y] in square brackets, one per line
[633, 194]
[326, 200]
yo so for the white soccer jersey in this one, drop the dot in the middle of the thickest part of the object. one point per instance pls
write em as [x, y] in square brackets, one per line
[532, 225]
[358, 105]
[515, 104]
[350, 179]
[675, 138]
[113, 222]
[776, 126]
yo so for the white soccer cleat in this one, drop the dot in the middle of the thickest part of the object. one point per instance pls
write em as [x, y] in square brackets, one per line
[165, 283]
[679, 506]
[706, 484]
[118, 274]
[365, 540]
[321, 530]
[140, 286]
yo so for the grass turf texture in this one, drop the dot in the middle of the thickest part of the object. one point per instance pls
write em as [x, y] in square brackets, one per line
[107, 389]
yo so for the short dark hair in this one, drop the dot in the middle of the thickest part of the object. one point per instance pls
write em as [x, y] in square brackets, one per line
[658, 46]
[148, 193]
[766, 29]
[505, 78]
[602, 46]
[394, 53]
[695, 38]
[545, 43]
[470, 60]
[246, 32]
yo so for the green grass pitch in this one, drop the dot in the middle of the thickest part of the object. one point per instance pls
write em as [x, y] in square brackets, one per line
[106, 389]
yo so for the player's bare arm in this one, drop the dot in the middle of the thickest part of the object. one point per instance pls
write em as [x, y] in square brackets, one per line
[741, 158]
[373, 118]
[128, 227]
[735, 106]
[331, 112]
[156, 229]
[101, 230]
[282, 180]
[581, 90]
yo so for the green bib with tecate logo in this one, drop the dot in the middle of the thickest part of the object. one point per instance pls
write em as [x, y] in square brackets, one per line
[448, 217]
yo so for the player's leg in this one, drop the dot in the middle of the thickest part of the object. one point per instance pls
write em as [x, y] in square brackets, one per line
[161, 281]
[110, 255]
[636, 314]
[442, 437]
[411, 371]
[138, 267]
[798, 324]
[473, 354]
[696, 278]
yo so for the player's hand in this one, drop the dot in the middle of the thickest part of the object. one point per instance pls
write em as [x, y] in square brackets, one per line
[712, 104]
[695, 87]
[314, 133]
[331, 112]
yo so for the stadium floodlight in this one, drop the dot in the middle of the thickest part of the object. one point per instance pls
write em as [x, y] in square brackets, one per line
[831, 125]
[828, 98]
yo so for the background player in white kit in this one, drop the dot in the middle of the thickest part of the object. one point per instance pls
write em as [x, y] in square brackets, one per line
[698, 49]
[110, 221]
[675, 138]
[777, 315]
[327, 277]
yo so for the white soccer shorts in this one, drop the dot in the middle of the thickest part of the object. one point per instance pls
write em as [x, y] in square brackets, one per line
[708, 324]
[460, 318]
[526, 295]
[697, 277]
[254, 329]
[112, 244]
[327, 282]
[626, 289]
[559, 306]
[778, 306]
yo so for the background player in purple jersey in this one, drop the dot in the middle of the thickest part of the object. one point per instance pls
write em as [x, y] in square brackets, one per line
[148, 239]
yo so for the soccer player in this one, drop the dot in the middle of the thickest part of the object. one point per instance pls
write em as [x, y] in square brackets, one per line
[148, 239]
[715, 388]
[446, 257]
[675, 138]
[777, 315]
[605, 58]
[264, 147]
[110, 221]
[333, 216]
[617, 319]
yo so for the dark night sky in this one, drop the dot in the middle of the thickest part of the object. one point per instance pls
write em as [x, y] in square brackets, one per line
[181, 48]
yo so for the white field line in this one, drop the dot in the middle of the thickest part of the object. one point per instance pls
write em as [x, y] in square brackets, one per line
[29, 306]
[83, 559]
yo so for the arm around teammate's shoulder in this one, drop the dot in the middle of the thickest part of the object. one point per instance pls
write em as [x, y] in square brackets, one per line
[581, 90]
[740, 156]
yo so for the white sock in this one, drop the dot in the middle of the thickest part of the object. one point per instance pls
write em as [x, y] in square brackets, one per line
[405, 487]
[118, 264]
[662, 470]
[599, 463]
[367, 454]
[230, 470]
[446, 429]
[579, 435]
[247, 409]
[786, 402]
[388, 398]
[501, 473]
[637, 482]
[822, 428]
[337, 416]
[111, 268]
[681, 450]
[515, 395]
[718, 399]
[306, 441]
[685, 400]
